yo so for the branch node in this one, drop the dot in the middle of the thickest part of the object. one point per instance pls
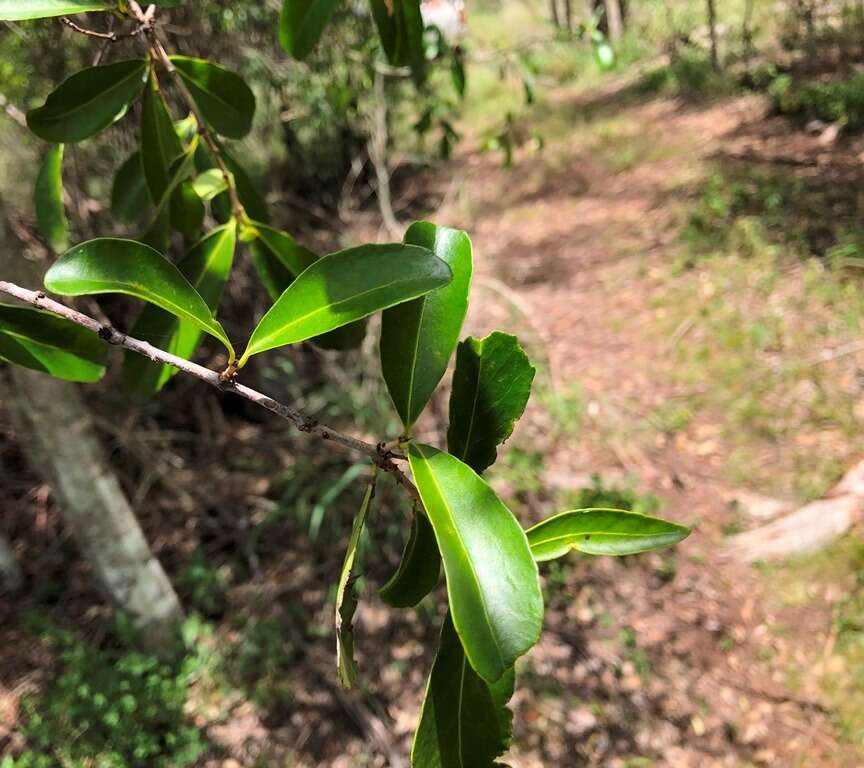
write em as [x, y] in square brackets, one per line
[228, 375]
[308, 424]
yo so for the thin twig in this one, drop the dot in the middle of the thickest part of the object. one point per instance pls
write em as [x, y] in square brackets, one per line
[379, 454]
[157, 50]
[111, 37]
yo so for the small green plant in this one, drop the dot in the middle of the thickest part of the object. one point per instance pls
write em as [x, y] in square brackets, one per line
[205, 585]
[690, 74]
[600, 495]
[259, 662]
[832, 102]
[112, 708]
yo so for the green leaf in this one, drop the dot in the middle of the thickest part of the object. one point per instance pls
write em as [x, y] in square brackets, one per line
[464, 722]
[130, 198]
[346, 597]
[112, 265]
[301, 24]
[158, 232]
[187, 210]
[209, 184]
[279, 259]
[206, 267]
[601, 532]
[23, 10]
[492, 580]
[160, 144]
[223, 97]
[491, 386]
[400, 26]
[343, 287]
[419, 569]
[51, 344]
[418, 337]
[88, 101]
[48, 198]
[248, 193]
[604, 54]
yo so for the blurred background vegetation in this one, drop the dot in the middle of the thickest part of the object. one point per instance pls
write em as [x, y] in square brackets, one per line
[677, 236]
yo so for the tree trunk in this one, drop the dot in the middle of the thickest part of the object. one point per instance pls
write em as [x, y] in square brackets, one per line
[553, 11]
[712, 34]
[614, 19]
[11, 579]
[59, 437]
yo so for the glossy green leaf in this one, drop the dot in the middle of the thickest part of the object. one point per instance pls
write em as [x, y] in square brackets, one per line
[418, 337]
[88, 101]
[278, 259]
[252, 200]
[206, 267]
[130, 198]
[209, 184]
[419, 569]
[48, 198]
[346, 286]
[491, 386]
[51, 344]
[158, 231]
[23, 10]
[112, 265]
[223, 97]
[301, 24]
[601, 532]
[492, 581]
[400, 27]
[346, 597]
[187, 210]
[464, 722]
[160, 144]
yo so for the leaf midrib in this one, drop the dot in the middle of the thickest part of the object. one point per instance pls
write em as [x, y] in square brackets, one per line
[211, 94]
[265, 340]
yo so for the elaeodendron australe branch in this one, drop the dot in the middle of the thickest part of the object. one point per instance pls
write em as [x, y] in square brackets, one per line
[379, 454]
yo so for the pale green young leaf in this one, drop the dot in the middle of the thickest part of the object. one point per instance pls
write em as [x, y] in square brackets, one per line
[346, 597]
[346, 286]
[491, 386]
[48, 199]
[51, 344]
[209, 184]
[418, 337]
[464, 721]
[113, 265]
[88, 101]
[601, 532]
[207, 267]
[492, 581]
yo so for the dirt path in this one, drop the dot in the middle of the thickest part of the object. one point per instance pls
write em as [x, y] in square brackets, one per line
[672, 660]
